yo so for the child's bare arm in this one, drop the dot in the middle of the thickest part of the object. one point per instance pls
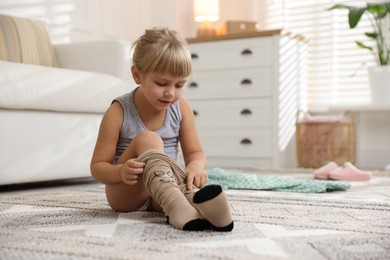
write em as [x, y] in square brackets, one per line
[193, 153]
[102, 168]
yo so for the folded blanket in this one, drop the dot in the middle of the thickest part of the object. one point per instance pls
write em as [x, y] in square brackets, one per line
[250, 181]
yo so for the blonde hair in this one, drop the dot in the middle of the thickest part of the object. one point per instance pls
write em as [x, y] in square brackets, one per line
[162, 50]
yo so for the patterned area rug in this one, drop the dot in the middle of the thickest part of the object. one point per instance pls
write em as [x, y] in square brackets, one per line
[75, 222]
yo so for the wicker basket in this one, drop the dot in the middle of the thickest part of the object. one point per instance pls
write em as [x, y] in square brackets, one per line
[318, 143]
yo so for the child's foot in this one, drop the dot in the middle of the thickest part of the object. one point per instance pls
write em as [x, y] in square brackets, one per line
[197, 225]
[211, 202]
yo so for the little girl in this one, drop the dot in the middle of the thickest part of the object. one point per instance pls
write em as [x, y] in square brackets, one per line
[136, 149]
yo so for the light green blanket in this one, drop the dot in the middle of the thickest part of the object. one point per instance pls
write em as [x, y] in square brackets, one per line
[250, 181]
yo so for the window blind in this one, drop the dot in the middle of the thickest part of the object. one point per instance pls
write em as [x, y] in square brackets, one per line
[337, 67]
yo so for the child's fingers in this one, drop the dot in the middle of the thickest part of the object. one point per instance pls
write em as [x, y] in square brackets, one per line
[130, 178]
[202, 182]
[190, 181]
[135, 164]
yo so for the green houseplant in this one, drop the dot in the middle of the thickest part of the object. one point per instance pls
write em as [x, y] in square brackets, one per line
[378, 14]
[379, 76]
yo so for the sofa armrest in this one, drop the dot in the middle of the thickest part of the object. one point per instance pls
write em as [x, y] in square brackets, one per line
[109, 57]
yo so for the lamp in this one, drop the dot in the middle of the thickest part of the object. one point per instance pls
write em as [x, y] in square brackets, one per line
[205, 12]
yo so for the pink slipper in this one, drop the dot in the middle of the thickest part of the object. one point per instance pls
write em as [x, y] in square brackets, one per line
[323, 172]
[348, 172]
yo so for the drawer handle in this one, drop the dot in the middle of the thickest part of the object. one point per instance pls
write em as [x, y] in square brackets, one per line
[194, 56]
[246, 141]
[246, 52]
[193, 85]
[246, 82]
[195, 112]
[246, 112]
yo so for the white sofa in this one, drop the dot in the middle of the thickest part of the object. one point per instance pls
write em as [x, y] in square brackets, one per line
[49, 116]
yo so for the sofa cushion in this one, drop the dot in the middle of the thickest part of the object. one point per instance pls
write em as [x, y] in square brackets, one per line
[25, 41]
[26, 86]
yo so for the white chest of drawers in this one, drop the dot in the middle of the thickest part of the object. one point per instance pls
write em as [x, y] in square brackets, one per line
[245, 93]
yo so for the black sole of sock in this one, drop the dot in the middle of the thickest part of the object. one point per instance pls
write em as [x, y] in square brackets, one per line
[227, 228]
[207, 193]
[197, 225]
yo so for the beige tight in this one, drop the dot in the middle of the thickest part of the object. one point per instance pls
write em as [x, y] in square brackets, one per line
[185, 209]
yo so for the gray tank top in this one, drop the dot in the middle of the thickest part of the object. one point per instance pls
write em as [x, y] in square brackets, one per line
[132, 125]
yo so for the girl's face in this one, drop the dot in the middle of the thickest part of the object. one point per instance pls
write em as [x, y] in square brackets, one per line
[161, 90]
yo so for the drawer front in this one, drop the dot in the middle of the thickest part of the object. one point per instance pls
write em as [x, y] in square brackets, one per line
[253, 82]
[240, 53]
[237, 143]
[233, 113]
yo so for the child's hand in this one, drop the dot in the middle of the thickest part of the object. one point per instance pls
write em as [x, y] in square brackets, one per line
[195, 176]
[131, 171]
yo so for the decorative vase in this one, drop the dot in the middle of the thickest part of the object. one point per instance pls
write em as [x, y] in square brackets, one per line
[380, 85]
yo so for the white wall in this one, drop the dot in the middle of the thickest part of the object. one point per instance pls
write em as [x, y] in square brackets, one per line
[85, 20]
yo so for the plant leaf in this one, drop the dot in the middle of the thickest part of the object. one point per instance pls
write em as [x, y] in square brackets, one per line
[361, 45]
[373, 35]
[338, 6]
[387, 7]
[355, 13]
[379, 10]
[382, 57]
